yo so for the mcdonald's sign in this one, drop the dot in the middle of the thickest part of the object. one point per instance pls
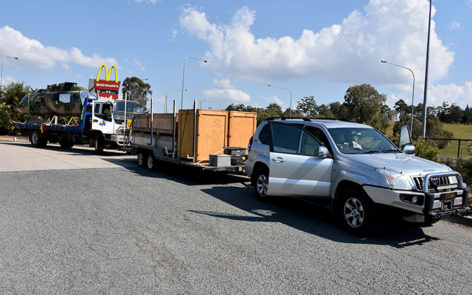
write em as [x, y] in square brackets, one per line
[106, 88]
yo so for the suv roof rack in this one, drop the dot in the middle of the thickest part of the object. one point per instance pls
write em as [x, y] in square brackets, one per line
[307, 119]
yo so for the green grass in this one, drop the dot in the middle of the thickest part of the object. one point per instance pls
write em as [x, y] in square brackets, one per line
[460, 131]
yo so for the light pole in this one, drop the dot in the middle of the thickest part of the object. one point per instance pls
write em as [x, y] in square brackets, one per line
[412, 92]
[1, 70]
[289, 91]
[425, 109]
[183, 78]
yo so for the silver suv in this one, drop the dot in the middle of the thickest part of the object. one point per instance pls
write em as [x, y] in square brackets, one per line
[355, 169]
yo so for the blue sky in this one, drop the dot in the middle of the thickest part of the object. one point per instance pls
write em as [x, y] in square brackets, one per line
[313, 48]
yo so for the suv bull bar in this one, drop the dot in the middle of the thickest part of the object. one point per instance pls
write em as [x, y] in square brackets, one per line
[439, 202]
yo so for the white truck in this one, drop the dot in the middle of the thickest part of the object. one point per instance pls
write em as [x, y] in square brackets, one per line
[102, 123]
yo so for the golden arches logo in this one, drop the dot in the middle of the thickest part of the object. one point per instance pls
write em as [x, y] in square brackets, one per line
[107, 73]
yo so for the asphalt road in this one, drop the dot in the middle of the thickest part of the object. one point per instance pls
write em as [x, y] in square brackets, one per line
[106, 226]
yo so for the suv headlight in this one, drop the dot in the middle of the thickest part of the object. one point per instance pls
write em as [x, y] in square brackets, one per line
[396, 180]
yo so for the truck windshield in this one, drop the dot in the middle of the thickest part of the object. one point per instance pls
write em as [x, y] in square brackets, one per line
[132, 107]
[361, 141]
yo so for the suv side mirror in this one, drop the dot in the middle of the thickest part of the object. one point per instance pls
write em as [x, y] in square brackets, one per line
[409, 149]
[323, 152]
[405, 138]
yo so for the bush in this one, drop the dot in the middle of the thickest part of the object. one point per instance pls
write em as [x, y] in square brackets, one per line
[426, 150]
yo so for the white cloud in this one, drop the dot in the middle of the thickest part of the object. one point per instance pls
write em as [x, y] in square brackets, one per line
[452, 93]
[146, 1]
[274, 99]
[33, 53]
[348, 52]
[225, 92]
[455, 25]
[7, 80]
[174, 34]
[140, 65]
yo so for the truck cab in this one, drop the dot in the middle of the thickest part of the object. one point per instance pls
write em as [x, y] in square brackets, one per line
[110, 122]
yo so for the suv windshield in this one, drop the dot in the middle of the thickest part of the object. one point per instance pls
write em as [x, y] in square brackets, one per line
[361, 141]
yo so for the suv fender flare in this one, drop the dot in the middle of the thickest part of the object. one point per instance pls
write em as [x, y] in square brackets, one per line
[352, 177]
[341, 187]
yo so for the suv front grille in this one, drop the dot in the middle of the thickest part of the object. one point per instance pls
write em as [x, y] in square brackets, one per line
[434, 182]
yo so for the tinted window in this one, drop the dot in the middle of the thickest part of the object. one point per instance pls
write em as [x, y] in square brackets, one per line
[309, 146]
[286, 138]
[319, 135]
[264, 136]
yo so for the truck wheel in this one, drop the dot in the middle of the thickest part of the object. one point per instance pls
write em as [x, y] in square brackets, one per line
[150, 162]
[99, 144]
[140, 158]
[261, 183]
[35, 138]
[357, 213]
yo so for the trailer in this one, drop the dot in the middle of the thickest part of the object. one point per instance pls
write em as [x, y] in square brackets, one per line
[194, 138]
[102, 123]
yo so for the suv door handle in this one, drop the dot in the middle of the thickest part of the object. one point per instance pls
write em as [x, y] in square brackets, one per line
[95, 120]
[278, 160]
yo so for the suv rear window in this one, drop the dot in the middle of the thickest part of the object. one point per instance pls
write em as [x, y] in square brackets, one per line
[286, 138]
[264, 136]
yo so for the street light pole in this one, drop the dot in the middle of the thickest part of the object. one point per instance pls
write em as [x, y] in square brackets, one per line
[412, 92]
[423, 130]
[1, 70]
[183, 78]
[289, 91]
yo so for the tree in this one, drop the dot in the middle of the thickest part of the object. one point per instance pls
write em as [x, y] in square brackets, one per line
[136, 89]
[307, 106]
[364, 105]
[11, 96]
[402, 108]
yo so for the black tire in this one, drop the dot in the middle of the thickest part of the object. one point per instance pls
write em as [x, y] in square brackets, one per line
[140, 158]
[260, 180]
[35, 138]
[150, 162]
[357, 213]
[99, 144]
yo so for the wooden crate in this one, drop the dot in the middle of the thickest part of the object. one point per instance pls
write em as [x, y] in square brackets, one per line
[162, 123]
[211, 136]
[241, 127]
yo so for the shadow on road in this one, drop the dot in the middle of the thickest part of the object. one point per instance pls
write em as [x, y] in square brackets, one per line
[77, 150]
[309, 218]
[184, 175]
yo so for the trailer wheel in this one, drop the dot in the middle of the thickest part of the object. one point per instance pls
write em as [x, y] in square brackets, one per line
[151, 162]
[35, 138]
[140, 158]
[99, 144]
